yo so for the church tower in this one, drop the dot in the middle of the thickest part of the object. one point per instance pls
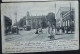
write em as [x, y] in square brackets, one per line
[27, 18]
[28, 14]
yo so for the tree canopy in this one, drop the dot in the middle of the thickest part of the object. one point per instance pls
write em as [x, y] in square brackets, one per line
[51, 18]
[22, 22]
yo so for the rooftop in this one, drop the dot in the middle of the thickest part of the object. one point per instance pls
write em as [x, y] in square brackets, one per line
[31, 17]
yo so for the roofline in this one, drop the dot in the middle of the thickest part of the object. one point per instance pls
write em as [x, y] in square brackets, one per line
[62, 7]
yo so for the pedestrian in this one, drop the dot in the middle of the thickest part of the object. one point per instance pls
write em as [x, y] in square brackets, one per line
[52, 33]
[40, 30]
[49, 25]
[36, 31]
[17, 30]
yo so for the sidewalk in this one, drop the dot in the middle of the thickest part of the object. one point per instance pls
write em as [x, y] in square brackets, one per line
[62, 37]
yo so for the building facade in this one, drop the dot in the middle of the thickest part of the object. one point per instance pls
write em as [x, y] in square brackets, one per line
[65, 19]
[35, 21]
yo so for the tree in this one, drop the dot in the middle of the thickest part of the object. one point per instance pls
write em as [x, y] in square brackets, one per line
[44, 25]
[22, 22]
[51, 18]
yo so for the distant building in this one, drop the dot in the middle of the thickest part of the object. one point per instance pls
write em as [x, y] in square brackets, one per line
[65, 19]
[36, 21]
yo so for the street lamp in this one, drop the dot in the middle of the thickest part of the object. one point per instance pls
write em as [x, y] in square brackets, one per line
[55, 18]
[70, 18]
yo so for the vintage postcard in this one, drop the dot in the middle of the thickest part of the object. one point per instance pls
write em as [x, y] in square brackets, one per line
[40, 26]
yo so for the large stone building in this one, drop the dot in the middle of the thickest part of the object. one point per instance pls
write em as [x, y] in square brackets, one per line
[65, 19]
[35, 21]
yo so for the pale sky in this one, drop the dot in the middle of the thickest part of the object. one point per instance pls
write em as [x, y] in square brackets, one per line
[35, 8]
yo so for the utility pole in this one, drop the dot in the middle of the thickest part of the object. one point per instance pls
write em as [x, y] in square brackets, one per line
[11, 23]
[70, 18]
[55, 18]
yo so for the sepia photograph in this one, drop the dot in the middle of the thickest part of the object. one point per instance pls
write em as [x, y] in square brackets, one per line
[39, 21]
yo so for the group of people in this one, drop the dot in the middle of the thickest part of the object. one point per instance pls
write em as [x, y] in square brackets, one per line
[39, 31]
[15, 30]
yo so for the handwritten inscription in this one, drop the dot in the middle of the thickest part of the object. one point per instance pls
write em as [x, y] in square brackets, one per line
[41, 46]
